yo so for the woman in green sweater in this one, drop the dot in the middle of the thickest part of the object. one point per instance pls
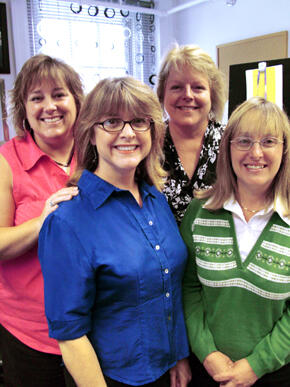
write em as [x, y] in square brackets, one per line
[237, 282]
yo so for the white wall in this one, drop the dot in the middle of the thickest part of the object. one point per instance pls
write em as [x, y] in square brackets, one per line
[212, 23]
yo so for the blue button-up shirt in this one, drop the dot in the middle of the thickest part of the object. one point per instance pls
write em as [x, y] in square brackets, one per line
[113, 271]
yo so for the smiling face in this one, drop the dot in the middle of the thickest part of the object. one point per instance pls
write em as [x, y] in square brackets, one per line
[51, 112]
[120, 153]
[187, 98]
[256, 168]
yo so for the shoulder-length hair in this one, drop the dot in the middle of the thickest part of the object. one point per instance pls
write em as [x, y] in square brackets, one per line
[35, 70]
[110, 97]
[194, 57]
[269, 118]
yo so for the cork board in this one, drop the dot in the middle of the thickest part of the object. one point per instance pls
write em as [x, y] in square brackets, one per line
[260, 48]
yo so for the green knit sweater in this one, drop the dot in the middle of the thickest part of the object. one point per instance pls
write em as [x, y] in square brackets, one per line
[239, 308]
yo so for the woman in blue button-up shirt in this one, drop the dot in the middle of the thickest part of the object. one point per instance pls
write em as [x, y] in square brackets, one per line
[112, 258]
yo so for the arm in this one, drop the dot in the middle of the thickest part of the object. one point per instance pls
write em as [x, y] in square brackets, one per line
[270, 354]
[200, 337]
[16, 240]
[82, 362]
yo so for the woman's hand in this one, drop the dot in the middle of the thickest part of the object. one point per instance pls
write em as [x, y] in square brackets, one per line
[216, 363]
[180, 374]
[51, 204]
[239, 375]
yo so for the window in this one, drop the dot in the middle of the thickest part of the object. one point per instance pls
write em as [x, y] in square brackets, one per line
[97, 41]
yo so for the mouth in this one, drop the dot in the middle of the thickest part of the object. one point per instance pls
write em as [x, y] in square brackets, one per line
[51, 120]
[255, 167]
[126, 148]
[187, 108]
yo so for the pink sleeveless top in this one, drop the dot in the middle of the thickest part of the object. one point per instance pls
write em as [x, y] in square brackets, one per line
[35, 178]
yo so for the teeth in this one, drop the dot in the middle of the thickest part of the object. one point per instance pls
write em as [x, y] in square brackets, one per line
[255, 166]
[54, 119]
[189, 108]
[127, 148]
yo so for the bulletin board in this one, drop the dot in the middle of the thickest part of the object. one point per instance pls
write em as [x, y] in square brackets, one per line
[260, 48]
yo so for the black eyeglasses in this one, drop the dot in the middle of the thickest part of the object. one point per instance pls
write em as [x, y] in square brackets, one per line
[246, 143]
[117, 124]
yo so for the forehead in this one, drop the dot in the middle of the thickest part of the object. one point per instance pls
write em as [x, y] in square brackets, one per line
[47, 82]
[258, 124]
[186, 74]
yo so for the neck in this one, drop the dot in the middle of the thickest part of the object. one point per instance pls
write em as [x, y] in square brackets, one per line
[181, 133]
[59, 151]
[252, 202]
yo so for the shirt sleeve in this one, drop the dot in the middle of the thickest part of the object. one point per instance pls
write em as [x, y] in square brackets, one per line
[69, 280]
[272, 352]
[199, 334]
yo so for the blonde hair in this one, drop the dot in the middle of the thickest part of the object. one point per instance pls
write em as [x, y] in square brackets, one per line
[35, 70]
[108, 98]
[269, 117]
[194, 57]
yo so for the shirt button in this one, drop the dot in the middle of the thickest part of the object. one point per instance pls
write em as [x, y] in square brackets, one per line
[167, 294]
[157, 247]
[150, 223]
[166, 271]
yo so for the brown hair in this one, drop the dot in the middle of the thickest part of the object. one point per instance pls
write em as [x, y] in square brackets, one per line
[194, 57]
[37, 68]
[108, 98]
[269, 117]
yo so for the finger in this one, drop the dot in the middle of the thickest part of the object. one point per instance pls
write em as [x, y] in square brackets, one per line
[223, 377]
[173, 378]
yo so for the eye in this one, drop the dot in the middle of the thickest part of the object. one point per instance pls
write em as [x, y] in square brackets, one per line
[59, 95]
[175, 87]
[243, 141]
[140, 122]
[269, 141]
[35, 98]
[113, 122]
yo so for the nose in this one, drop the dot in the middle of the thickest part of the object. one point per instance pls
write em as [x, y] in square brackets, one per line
[127, 131]
[49, 104]
[188, 93]
[256, 150]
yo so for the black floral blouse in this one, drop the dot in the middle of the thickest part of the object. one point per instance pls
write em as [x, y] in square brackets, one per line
[179, 188]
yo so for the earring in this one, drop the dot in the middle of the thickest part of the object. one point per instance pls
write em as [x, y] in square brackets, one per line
[24, 125]
[211, 116]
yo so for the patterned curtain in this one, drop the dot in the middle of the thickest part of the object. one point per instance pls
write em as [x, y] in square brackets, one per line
[98, 41]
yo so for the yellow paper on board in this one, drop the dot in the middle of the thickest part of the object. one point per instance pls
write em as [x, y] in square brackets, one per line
[273, 90]
[265, 89]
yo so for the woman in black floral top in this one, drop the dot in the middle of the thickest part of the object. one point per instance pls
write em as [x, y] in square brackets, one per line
[192, 92]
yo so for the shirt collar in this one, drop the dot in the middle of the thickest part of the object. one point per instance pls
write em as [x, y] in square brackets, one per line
[99, 190]
[232, 205]
[29, 153]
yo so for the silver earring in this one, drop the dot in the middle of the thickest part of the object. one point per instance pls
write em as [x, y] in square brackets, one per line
[211, 116]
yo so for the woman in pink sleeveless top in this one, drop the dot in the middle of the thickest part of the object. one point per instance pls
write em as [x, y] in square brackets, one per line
[35, 166]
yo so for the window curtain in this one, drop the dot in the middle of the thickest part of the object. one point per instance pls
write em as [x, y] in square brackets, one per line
[98, 41]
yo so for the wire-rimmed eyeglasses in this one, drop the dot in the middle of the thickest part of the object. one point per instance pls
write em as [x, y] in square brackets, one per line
[117, 124]
[246, 143]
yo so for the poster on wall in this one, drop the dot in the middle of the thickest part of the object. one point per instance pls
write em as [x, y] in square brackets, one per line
[4, 48]
[266, 82]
